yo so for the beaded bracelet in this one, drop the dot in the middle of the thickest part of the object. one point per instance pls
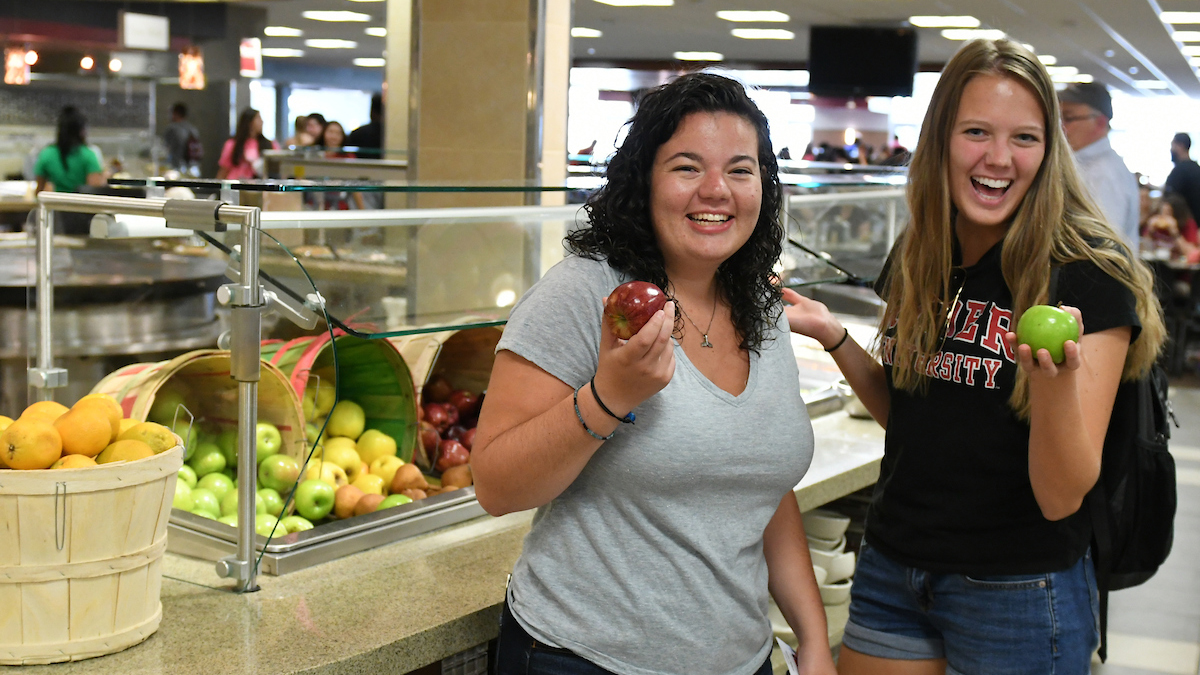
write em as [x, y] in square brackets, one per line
[628, 419]
[585, 426]
[840, 342]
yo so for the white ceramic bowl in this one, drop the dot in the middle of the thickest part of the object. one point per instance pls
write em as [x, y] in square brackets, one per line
[832, 545]
[835, 593]
[837, 566]
[824, 524]
[820, 574]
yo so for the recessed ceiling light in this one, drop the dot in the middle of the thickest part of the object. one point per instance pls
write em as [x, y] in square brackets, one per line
[1047, 59]
[87, 62]
[1150, 84]
[944, 21]
[1186, 35]
[1109, 53]
[1133, 70]
[115, 65]
[1062, 70]
[1179, 17]
[1081, 78]
[282, 31]
[699, 56]
[972, 34]
[637, 3]
[370, 62]
[330, 43]
[31, 58]
[765, 16]
[336, 15]
[1191, 51]
[376, 31]
[581, 32]
[282, 52]
[763, 34]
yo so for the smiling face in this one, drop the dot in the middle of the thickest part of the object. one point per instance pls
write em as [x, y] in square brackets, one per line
[996, 148]
[334, 135]
[705, 190]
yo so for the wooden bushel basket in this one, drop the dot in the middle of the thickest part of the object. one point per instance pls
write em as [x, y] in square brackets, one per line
[81, 558]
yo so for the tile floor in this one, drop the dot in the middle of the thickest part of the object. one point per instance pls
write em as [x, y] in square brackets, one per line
[1155, 628]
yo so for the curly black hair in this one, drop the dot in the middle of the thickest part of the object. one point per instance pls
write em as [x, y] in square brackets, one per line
[621, 230]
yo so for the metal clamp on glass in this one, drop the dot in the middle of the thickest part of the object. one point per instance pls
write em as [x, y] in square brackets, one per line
[193, 214]
[47, 378]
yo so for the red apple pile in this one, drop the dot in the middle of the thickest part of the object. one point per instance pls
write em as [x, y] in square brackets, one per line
[447, 427]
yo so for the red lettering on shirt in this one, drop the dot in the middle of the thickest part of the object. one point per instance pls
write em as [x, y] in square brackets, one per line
[992, 366]
[972, 364]
[946, 365]
[974, 311]
[957, 373]
[999, 321]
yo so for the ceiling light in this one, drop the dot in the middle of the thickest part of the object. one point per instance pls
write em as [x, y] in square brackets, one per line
[1047, 59]
[1186, 36]
[115, 65]
[1179, 17]
[1151, 84]
[972, 34]
[370, 62]
[698, 56]
[376, 31]
[1194, 62]
[31, 57]
[1062, 70]
[1081, 78]
[944, 21]
[637, 3]
[763, 34]
[336, 15]
[366, 0]
[581, 32]
[87, 62]
[330, 43]
[282, 52]
[1191, 51]
[765, 16]
[282, 31]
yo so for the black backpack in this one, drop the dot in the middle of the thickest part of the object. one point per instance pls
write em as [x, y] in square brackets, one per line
[193, 149]
[1132, 505]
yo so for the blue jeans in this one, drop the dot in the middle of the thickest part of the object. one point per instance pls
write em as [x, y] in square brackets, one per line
[517, 653]
[1028, 624]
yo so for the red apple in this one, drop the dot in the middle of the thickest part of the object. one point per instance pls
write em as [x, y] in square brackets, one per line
[466, 402]
[468, 438]
[430, 438]
[452, 453]
[437, 415]
[437, 390]
[631, 305]
[456, 432]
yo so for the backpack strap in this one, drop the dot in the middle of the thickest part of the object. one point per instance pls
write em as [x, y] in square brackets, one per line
[1096, 502]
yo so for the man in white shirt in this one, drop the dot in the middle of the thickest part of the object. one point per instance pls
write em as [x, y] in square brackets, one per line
[1086, 111]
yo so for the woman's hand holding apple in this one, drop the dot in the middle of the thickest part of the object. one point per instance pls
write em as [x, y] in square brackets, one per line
[1041, 365]
[811, 318]
[633, 370]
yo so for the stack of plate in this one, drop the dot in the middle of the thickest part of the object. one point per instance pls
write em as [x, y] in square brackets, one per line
[826, 531]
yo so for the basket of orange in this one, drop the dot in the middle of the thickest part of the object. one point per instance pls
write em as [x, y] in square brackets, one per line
[85, 495]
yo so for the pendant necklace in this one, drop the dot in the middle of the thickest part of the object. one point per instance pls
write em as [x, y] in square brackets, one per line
[704, 334]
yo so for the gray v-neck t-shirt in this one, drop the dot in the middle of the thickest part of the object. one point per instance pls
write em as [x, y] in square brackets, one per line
[651, 561]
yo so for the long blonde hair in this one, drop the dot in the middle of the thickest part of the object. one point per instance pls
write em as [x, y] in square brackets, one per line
[1057, 222]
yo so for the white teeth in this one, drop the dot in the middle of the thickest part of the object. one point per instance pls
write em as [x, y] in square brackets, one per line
[709, 217]
[991, 182]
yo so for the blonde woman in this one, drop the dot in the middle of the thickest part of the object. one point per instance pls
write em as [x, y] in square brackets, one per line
[976, 552]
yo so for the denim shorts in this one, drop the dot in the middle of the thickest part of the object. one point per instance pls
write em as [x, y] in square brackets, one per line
[1027, 624]
[518, 653]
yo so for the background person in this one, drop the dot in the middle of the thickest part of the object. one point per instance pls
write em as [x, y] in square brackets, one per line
[1184, 179]
[646, 555]
[1086, 118]
[975, 557]
[367, 140]
[300, 136]
[182, 139]
[241, 157]
[68, 163]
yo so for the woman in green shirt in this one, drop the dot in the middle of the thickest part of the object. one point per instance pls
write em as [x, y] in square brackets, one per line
[69, 163]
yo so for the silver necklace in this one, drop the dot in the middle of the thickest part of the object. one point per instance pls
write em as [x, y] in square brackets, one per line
[704, 334]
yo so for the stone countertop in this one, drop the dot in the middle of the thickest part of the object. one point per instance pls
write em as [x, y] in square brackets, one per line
[395, 608]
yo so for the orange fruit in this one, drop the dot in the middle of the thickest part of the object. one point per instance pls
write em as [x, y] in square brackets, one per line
[46, 410]
[4, 422]
[73, 462]
[85, 430]
[124, 451]
[109, 406]
[30, 443]
[126, 425]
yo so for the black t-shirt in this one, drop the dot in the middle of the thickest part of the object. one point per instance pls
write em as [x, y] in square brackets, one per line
[954, 493]
[1184, 180]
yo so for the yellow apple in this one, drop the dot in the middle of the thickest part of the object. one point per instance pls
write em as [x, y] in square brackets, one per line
[385, 467]
[340, 451]
[326, 471]
[370, 484]
[347, 419]
[374, 444]
[4, 422]
[354, 472]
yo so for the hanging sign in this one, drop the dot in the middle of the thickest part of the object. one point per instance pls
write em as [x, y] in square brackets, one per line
[16, 66]
[251, 61]
[191, 68]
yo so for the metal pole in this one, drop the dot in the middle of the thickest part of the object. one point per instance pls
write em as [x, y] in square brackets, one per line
[45, 376]
[153, 96]
[245, 354]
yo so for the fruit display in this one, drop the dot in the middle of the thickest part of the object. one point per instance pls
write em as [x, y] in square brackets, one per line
[93, 431]
[447, 424]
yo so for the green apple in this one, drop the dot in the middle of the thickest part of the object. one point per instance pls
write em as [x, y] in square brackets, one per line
[183, 497]
[227, 441]
[307, 407]
[393, 500]
[269, 441]
[314, 499]
[1046, 327]
[166, 402]
[272, 502]
[204, 514]
[264, 524]
[278, 472]
[231, 521]
[295, 524]
[347, 419]
[230, 502]
[205, 500]
[208, 459]
[217, 483]
[311, 433]
[187, 475]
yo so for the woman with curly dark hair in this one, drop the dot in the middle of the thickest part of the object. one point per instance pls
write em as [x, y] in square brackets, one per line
[684, 524]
